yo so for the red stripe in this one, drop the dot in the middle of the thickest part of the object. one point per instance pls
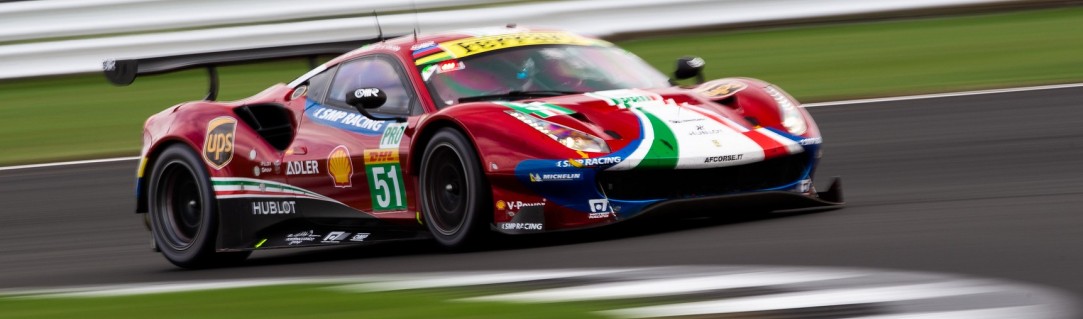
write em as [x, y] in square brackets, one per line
[220, 193]
[771, 147]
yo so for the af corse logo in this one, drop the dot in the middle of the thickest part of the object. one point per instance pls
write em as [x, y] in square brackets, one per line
[218, 146]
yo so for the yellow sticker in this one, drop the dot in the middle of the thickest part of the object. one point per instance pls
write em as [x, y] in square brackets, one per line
[381, 156]
[721, 89]
[470, 46]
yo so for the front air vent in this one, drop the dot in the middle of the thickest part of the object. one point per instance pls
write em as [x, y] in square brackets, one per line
[644, 184]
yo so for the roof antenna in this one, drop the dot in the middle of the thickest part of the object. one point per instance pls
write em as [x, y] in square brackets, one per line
[417, 24]
[379, 38]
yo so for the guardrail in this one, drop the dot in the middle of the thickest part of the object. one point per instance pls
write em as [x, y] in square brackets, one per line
[595, 17]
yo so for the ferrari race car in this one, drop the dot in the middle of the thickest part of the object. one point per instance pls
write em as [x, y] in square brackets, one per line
[457, 135]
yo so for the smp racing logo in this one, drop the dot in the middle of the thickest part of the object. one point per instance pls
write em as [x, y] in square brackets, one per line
[218, 146]
[589, 162]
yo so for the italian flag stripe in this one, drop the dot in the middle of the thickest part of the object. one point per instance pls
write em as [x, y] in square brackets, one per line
[661, 155]
[235, 187]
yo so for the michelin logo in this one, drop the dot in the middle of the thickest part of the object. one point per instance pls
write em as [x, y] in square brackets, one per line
[558, 177]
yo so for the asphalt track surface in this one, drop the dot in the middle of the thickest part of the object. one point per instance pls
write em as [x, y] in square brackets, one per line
[984, 185]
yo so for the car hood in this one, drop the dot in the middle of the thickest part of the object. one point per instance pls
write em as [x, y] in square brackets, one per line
[662, 129]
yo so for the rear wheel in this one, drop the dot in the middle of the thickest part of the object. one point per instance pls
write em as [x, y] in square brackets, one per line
[454, 193]
[183, 214]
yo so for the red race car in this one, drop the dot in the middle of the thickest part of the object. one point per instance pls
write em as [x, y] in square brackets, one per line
[457, 135]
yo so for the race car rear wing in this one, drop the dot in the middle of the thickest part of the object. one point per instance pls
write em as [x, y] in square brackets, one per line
[124, 72]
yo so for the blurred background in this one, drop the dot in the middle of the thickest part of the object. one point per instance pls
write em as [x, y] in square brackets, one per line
[51, 51]
[943, 192]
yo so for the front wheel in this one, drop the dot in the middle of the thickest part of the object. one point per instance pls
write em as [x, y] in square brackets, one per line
[454, 192]
[183, 214]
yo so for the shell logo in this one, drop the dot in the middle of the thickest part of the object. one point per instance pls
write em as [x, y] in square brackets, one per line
[340, 167]
[500, 205]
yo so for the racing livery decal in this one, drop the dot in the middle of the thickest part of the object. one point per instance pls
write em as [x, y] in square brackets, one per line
[218, 146]
[238, 187]
[720, 89]
[539, 109]
[349, 120]
[340, 167]
[392, 135]
[385, 179]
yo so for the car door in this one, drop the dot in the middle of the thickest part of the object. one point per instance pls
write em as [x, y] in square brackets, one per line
[351, 159]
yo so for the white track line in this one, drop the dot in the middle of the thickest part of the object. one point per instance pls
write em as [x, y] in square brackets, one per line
[664, 287]
[991, 313]
[809, 299]
[95, 161]
[474, 280]
[942, 95]
[848, 102]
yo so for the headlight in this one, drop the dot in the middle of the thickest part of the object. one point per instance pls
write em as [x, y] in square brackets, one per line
[792, 119]
[569, 137]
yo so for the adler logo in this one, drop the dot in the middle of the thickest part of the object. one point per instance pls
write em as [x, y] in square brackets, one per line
[340, 167]
[218, 146]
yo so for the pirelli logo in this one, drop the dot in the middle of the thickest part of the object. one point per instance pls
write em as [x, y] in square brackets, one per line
[471, 46]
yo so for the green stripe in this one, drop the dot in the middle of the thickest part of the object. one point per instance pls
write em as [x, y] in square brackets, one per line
[256, 184]
[542, 110]
[433, 58]
[660, 155]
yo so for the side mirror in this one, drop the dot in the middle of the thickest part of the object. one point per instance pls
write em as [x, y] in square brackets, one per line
[366, 98]
[689, 67]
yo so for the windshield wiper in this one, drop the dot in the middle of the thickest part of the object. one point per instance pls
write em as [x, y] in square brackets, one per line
[515, 95]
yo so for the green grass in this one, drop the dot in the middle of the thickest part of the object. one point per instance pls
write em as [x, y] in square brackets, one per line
[290, 302]
[85, 117]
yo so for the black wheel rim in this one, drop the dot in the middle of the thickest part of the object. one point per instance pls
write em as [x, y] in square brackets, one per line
[179, 206]
[447, 190]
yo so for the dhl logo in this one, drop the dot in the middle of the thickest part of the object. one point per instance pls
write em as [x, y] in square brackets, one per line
[218, 145]
[382, 156]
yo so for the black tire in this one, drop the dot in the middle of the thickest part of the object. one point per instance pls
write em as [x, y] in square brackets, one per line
[183, 213]
[454, 192]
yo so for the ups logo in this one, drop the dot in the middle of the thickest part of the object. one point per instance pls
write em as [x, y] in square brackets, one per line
[218, 146]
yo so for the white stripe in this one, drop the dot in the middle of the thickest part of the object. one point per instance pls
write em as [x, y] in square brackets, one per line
[834, 103]
[644, 144]
[272, 196]
[664, 287]
[268, 186]
[943, 95]
[93, 161]
[820, 298]
[478, 279]
[791, 146]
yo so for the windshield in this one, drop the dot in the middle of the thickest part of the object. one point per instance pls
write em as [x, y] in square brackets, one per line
[538, 68]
